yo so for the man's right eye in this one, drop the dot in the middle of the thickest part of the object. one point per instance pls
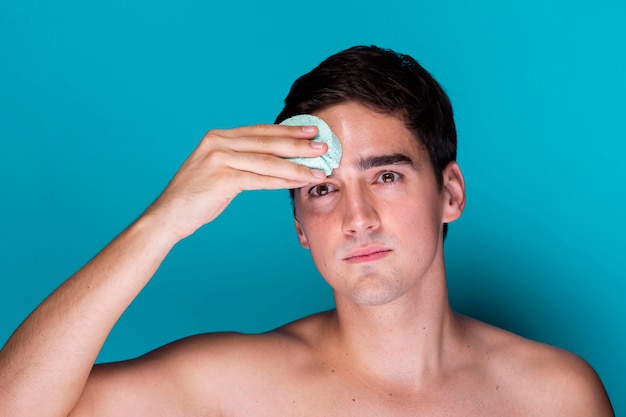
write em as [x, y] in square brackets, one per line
[321, 190]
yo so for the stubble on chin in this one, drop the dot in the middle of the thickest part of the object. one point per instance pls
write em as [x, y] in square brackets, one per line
[373, 288]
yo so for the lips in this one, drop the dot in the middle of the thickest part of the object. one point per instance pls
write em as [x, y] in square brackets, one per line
[368, 254]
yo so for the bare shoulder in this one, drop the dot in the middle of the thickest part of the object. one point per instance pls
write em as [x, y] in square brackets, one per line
[239, 373]
[207, 374]
[236, 354]
[541, 376]
[294, 338]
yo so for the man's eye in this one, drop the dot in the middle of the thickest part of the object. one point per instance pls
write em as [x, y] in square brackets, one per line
[388, 176]
[321, 190]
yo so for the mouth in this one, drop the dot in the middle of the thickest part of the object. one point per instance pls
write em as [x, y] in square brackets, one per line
[368, 254]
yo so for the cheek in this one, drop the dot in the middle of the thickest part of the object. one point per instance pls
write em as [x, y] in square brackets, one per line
[320, 233]
[318, 236]
[413, 219]
[320, 249]
[313, 231]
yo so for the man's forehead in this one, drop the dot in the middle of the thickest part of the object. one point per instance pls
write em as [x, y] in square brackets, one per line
[364, 153]
[377, 161]
[368, 137]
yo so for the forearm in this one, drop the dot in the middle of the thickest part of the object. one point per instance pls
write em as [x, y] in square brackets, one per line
[45, 364]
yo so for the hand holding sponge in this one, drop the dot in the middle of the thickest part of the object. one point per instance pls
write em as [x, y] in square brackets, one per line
[331, 158]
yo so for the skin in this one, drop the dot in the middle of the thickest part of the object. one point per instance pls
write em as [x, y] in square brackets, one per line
[392, 347]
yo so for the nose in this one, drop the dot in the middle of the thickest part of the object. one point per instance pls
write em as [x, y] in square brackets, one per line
[359, 212]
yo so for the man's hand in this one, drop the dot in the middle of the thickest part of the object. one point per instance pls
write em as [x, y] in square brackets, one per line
[227, 162]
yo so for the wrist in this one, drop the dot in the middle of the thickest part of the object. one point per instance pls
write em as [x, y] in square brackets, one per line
[157, 229]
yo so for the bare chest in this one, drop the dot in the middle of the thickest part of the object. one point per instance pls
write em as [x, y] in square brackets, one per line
[336, 396]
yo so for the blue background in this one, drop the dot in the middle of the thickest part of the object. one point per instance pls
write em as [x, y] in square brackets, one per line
[100, 102]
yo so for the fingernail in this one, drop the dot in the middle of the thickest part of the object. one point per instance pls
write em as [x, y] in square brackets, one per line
[318, 173]
[317, 145]
[308, 129]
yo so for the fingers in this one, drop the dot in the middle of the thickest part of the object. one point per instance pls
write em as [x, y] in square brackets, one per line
[303, 132]
[264, 171]
[260, 150]
[277, 140]
[252, 181]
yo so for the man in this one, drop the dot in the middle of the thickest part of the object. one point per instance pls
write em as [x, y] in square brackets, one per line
[375, 228]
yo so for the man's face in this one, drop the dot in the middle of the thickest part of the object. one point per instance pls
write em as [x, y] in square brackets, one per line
[374, 226]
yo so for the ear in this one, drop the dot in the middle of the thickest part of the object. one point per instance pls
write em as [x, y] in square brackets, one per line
[453, 192]
[300, 232]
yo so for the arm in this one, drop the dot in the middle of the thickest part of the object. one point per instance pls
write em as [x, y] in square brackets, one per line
[46, 363]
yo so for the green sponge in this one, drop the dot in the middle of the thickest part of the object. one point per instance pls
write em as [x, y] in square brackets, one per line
[331, 158]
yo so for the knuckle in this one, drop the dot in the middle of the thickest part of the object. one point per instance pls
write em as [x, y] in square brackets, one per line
[259, 130]
[213, 134]
[303, 145]
[265, 141]
[304, 172]
[216, 156]
[263, 159]
[211, 138]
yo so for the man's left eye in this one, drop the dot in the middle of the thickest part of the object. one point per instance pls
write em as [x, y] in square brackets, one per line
[388, 176]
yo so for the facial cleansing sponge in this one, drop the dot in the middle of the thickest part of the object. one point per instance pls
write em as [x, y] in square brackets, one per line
[331, 158]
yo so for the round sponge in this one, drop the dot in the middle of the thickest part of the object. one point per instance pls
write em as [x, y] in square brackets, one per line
[331, 158]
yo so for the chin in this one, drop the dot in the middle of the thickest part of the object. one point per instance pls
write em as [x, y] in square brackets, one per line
[375, 293]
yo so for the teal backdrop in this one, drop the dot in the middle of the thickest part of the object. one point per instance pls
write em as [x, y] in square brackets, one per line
[101, 101]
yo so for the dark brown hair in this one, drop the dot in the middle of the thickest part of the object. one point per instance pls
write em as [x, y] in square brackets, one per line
[386, 82]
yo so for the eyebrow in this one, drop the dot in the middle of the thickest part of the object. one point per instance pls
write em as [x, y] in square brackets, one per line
[383, 160]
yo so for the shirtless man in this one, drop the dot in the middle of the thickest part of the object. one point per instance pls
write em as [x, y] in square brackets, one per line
[375, 228]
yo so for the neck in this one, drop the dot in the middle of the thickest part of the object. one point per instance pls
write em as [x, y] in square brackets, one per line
[401, 341]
